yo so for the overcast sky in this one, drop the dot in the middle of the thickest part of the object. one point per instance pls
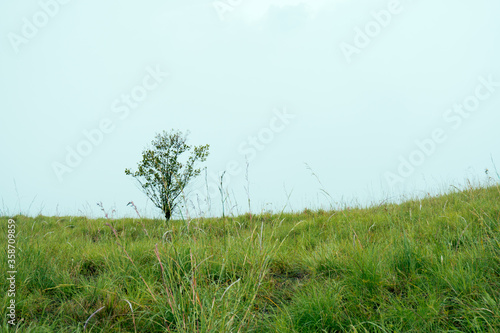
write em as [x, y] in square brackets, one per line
[377, 98]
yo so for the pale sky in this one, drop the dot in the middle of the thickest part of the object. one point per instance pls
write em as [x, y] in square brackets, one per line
[379, 98]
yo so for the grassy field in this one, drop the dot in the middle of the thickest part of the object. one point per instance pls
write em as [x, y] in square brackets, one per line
[427, 265]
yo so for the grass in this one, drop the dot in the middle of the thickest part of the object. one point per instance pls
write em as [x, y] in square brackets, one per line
[425, 265]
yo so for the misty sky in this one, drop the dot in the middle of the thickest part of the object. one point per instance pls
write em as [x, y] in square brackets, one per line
[377, 98]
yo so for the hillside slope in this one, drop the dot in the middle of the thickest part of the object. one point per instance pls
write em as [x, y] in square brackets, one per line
[422, 266]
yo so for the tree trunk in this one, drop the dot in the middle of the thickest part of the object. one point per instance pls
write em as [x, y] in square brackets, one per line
[168, 214]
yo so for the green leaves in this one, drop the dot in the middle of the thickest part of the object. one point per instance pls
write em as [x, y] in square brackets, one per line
[165, 171]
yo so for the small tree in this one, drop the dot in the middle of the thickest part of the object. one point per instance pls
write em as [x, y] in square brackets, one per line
[162, 174]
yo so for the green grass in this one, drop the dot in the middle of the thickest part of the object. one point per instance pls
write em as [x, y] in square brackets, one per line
[426, 265]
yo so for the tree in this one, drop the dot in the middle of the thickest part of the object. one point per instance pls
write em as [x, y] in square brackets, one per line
[167, 168]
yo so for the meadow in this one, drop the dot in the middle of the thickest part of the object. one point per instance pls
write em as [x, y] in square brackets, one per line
[430, 264]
